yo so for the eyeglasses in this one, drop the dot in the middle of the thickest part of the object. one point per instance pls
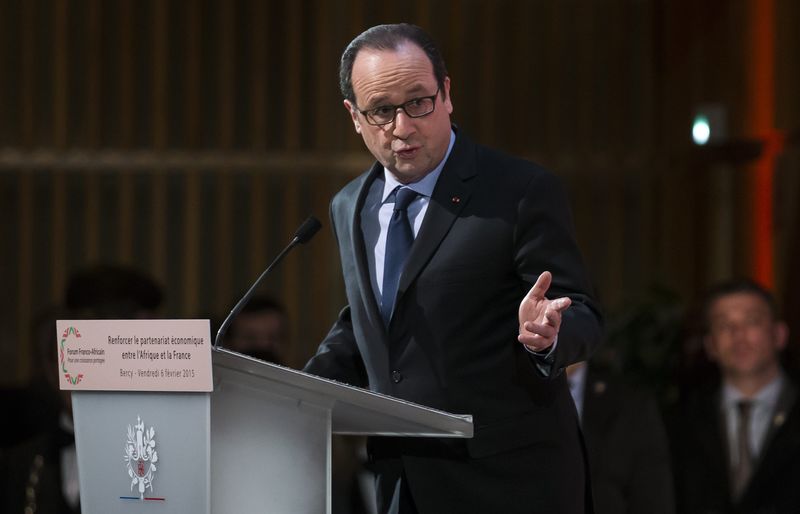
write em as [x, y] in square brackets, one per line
[414, 108]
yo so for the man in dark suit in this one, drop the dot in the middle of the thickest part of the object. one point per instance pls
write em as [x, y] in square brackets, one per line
[737, 444]
[440, 241]
[626, 442]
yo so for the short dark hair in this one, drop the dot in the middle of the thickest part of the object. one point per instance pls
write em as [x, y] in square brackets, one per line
[259, 304]
[737, 286]
[389, 37]
[263, 303]
[112, 291]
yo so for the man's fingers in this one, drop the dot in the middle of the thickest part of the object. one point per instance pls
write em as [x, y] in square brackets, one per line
[530, 339]
[560, 304]
[545, 330]
[535, 342]
[553, 312]
[552, 317]
[540, 287]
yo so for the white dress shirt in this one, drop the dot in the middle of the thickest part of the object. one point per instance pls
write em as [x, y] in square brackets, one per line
[377, 213]
[763, 408]
[577, 387]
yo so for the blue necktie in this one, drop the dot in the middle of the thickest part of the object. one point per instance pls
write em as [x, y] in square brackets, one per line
[398, 244]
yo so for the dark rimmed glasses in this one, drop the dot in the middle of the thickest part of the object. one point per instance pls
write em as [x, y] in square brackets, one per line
[414, 108]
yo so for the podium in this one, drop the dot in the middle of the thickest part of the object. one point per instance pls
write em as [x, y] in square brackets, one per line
[259, 442]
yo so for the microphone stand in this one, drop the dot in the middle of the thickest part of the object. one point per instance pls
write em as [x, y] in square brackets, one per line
[306, 231]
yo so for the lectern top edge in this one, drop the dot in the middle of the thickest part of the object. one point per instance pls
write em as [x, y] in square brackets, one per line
[351, 401]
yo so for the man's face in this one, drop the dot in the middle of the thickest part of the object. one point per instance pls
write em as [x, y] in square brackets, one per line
[744, 338]
[408, 147]
[260, 334]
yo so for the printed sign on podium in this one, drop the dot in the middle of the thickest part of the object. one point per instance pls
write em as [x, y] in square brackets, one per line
[135, 355]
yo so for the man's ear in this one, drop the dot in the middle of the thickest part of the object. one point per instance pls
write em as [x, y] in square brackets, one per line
[781, 335]
[448, 102]
[353, 115]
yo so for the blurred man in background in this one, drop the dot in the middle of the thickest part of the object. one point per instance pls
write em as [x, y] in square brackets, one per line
[626, 441]
[260, 330]
[41, 474]
[737, 445]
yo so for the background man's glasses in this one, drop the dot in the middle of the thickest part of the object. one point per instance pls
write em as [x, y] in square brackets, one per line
[414, 108]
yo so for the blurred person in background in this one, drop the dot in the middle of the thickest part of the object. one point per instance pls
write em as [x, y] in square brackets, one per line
[41, 474]
[260, 330]
[627, 444]
[737, 444]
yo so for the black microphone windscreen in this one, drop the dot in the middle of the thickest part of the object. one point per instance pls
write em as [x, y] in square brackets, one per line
[307, 230]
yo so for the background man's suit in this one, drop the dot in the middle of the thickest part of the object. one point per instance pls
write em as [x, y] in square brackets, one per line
[31, 475]
[701, 463]
[628, 450]
[494, 223]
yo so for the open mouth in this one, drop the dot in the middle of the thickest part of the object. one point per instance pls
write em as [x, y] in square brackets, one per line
[407, 153]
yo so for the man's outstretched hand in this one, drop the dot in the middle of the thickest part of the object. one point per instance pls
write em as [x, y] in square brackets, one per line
[539, 317]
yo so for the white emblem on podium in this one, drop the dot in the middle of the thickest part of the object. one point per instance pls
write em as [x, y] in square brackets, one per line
[141, 457]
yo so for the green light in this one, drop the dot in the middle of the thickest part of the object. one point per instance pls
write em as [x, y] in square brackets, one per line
[701, 130]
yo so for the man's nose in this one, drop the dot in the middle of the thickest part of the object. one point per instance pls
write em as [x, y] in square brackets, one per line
[738, 330]
[403, 124]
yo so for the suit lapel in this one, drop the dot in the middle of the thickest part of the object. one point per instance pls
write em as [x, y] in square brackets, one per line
[451, 194]
[784, 406]
[360, 252]
[715, 434]
[774, 448]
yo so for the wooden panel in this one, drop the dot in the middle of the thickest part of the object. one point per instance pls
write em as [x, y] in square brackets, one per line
[191, 249]
[60, 82]
[192, 79]
[260, 211]
[158, 58]
[148, 109]
[324, 68]
[58, 235]
[291, 271]
[6, 91]
[259, 66]
[94, 73]
[222, 246]
[158, 227]
[226, 75]
[292, 76]
[125, 64]
[92, 209]
[127, 210]
[787, 72]
[25, 300]
[28, 75]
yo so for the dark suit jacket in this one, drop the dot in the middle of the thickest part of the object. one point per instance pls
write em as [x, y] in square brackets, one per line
[39, 457]
[701, 462]
[628, 451]
[493, 224]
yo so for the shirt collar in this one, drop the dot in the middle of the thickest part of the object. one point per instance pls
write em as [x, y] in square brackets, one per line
[767, 396]
[425, 185]
[577, 379]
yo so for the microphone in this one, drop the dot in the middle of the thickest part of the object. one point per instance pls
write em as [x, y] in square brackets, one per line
[303, 235]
